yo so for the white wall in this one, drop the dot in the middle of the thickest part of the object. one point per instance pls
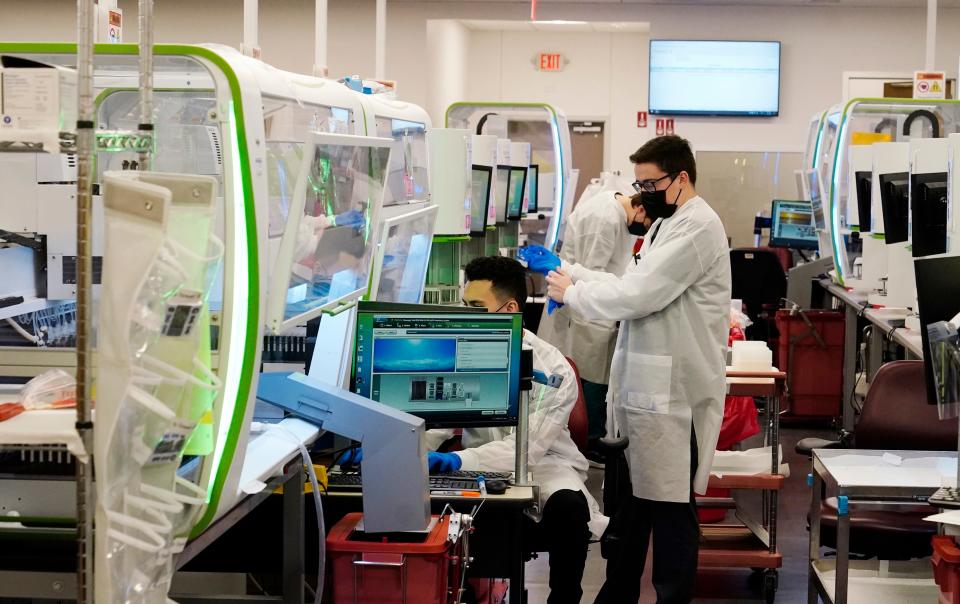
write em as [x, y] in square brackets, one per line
[588, 88]
[448, 54]
[819, 43]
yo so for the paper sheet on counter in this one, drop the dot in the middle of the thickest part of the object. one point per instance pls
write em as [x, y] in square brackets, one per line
[746, 463]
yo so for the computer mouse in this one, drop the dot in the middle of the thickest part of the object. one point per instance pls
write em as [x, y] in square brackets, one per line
[496, 487]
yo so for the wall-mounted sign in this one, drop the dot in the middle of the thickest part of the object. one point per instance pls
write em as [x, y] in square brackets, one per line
[641, 119]
[929, 85]
[669, 126]
[549, 61]
[661, 126]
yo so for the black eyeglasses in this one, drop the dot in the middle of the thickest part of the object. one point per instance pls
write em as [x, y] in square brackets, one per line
[649, 185]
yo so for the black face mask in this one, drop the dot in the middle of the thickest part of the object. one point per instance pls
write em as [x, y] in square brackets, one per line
[656, 206]
[637, 228]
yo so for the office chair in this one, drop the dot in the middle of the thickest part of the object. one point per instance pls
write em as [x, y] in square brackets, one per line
[578, 422]
[895, 416]
[759, 280]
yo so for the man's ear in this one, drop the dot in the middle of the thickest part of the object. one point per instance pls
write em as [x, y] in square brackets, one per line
[513, 306]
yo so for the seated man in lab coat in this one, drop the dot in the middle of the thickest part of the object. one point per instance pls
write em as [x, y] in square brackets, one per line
[569, 513]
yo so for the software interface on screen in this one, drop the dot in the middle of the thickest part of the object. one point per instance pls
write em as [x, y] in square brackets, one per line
[517, 187]
[743, 77]
[440, 366]
[792, 225]
[533, 176]
[503, 182]
[479, 199]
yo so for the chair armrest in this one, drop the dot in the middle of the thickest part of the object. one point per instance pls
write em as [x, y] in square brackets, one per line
[609, 447]
[806, 446]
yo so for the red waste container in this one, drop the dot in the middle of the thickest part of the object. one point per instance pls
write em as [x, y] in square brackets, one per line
[946, 568]
[811, 354]
[385, 572]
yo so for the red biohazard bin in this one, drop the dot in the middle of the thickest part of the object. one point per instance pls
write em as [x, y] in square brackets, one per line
[811, 354]
[387, 572]
[946, 568]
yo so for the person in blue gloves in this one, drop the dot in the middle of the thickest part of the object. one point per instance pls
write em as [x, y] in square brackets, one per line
[599, 235]
[569, 513]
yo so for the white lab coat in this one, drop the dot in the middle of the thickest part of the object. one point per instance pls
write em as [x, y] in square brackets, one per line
[670, 364]
[597, 239]
[553, 458]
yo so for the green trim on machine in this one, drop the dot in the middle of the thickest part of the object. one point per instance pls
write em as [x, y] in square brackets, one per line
[253, 267]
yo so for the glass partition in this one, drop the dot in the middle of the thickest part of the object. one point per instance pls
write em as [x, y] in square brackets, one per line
[409, 177]
[402, 257]
[326, 249]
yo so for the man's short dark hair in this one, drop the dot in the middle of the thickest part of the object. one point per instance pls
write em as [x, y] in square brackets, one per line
[508, 278]
[670, 153]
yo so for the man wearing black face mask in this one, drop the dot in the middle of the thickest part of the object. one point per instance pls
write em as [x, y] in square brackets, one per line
[668, 377]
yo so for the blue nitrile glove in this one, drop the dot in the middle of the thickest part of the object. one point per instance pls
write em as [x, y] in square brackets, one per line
[539, 259]
[443, 462]
[351, 457]
[552, 306]
[348, 218]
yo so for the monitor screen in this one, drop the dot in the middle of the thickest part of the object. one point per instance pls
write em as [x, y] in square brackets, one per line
[792, 225]
[451, 369]
[895, 202]
[516, 188]
[403, 256]
[864, 184]
[816, 200]
[503, 182]
[928, 208]
[533, 176]
[705, 77]
[482, 177]
[938, 299]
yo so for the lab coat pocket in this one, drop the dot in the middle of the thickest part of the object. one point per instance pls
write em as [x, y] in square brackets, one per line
[647, 383]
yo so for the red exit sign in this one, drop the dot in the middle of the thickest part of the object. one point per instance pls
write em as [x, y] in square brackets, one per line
[550, 61]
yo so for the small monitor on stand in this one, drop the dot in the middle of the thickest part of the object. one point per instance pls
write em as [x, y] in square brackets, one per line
[938, 296]
[792, 225]
[928, 193]
[453, 370]
[864, 186]
[895, 202]
[515, 190]
[533, 176]
[482, 177]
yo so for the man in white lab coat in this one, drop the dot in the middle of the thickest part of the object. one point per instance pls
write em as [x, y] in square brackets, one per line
[668, 375]
[599, 236]
[569, 513]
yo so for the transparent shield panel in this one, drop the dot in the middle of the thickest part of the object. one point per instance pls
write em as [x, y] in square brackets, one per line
[405, 253]
[409, 177]
[343, 188]
[188, 138]
[287, 126]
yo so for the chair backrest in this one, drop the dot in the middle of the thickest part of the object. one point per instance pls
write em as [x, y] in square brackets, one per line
[784, 255]
[758, 277]
[896, 414]
[577, 424]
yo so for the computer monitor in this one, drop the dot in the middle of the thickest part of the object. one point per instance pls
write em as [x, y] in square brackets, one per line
[400, 265]
[938, 298]
[928, 208]
[792, 225]
[864, 186]
[516, 188]
[895, 203]
[451, 369]
[503, 186]
[482, 178]
[816, 199]
[533, 176]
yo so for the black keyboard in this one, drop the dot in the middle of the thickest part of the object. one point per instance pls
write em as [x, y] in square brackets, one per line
[461, 480]
[947, 497]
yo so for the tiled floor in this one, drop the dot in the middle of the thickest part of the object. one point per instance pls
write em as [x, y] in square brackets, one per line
[719, 586]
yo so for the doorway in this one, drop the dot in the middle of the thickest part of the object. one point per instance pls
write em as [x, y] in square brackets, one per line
[587, 144]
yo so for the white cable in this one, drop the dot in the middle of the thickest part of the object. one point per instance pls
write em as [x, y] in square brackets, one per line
[23, 332]
[312, 473]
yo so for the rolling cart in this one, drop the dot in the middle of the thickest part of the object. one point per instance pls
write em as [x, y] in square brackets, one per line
[751, 542]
